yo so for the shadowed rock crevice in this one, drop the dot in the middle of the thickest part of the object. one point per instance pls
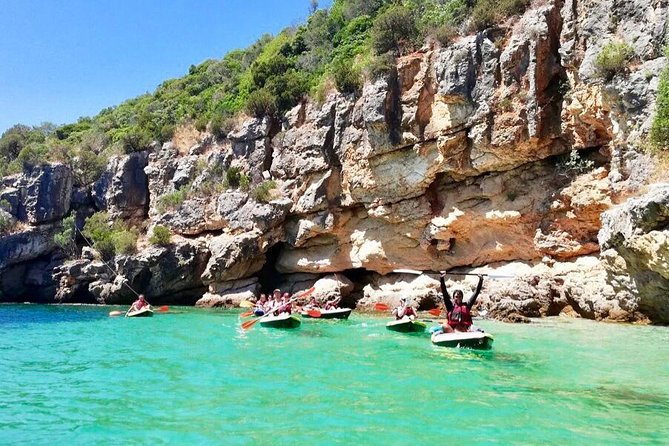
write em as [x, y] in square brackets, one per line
[268, 277]
[393, 108]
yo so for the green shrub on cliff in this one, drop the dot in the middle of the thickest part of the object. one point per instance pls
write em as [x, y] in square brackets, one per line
[262, 192]
[379, 65]
[172, 200]
[161, 236]
[347, 76]
[232, 177]
[261, 103]
[125, 241]
[6, 224]
[110, 237]
[65, 239]
[573, 164]
[659, 132]
[394, 30]
[613, 58]
[267, 78]
[244, 182]
[99, 231]
[488, 13]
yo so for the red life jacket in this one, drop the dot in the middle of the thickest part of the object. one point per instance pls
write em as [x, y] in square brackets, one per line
[460, 316]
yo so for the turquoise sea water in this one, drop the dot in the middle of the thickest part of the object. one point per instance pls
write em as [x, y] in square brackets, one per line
[72, 375]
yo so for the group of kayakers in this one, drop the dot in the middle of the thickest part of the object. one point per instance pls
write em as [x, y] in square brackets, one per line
[279, 302]
[275, 303]
[458, 312]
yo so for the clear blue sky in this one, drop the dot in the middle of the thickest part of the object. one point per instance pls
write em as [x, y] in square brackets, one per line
[60, 60]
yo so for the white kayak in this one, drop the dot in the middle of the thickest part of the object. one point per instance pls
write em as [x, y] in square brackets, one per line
[335, 313]
[142, 312]
[469, 339]
[283, 320]
[406, 325]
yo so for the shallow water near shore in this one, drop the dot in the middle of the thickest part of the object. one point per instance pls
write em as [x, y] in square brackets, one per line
[72, 375]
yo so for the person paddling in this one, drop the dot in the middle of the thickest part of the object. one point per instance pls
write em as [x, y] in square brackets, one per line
[261, 305]
[404, 310]
[459, 313]
[139, 304]
[287, 306]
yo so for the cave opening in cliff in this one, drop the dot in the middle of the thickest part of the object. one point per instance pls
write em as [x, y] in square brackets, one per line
[82, 295]
[360, 277]
[268, 277]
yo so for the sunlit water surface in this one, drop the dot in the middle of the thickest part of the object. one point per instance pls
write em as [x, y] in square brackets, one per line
[73, 375]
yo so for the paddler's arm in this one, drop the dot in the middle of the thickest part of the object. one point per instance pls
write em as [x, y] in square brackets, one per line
[472, 300]
[445, 295]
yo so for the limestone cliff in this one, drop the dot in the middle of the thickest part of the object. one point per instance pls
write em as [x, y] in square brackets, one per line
[499, 152]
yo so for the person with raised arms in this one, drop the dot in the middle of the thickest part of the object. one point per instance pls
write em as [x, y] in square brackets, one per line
[459, 312]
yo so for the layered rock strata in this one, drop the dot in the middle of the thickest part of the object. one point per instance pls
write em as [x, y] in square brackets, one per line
[500, 151]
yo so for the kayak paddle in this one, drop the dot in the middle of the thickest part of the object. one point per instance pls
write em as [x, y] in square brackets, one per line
[381, 307]
[418, 273]
[434, 311]
[314, 313]
[247, 314]
[246, 304]
[248, 324]
[162, 309]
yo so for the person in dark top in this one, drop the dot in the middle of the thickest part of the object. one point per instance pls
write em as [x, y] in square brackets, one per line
[459, 313]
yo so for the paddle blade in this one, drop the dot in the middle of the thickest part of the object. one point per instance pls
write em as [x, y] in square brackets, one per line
[246, 304]
[435, 312]
[407, 271]
[115, 313]
[314, 313]
[248, 324]
[500, 276]
[163, 309]
[247, 313]
[307, 292]
[381, 307]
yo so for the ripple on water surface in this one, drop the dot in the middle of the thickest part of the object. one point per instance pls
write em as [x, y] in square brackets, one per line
[72, 375]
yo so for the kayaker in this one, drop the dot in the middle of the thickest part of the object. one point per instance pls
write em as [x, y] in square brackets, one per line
[459, 313]
[312, 304]
[139, 304]
[287, 306]
[262, 301]
[404, 310]
[283, 304]
[332, 304]
[261, 305]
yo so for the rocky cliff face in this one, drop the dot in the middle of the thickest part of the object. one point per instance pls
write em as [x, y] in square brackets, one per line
[463, 156]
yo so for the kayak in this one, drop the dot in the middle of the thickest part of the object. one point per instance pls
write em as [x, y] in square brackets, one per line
[406, 326]
[284, 320]
[470, 339]
[335, 313]
[142, 312]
